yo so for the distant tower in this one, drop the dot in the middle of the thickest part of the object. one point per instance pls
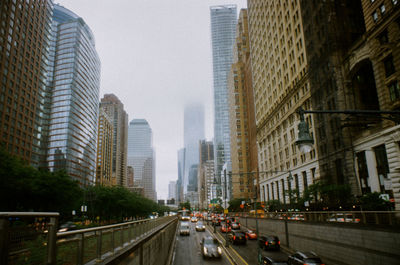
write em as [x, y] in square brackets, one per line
[171, 190]
[115, 110]
[223, 29]
[193, 133]
[141, 156]
[74, 78]
[104, 174]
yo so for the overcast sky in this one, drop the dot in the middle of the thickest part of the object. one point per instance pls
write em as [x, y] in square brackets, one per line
[155, 57]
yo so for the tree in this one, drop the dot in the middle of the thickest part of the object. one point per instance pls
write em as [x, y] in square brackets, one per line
[234, 204]
[184, 206]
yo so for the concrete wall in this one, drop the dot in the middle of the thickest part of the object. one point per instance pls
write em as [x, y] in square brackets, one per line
[335, 243]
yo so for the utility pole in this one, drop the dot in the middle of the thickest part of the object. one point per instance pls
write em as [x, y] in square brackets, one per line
[226, 220]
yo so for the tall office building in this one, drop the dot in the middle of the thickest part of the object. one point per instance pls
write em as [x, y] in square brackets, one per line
[181, 172]
[193, 133]
[74, 84]
[281, 85]
[171, 190]
[115, 109]
[24, 42]
[104, 174]
[204, 180]
[242, 117]
[141, 156]
[223, 28]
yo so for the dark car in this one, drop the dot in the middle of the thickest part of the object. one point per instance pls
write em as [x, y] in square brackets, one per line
[273, 261]
[68, 226]
[304, 258]
[210, 247]
[237, 237]
[269, 242]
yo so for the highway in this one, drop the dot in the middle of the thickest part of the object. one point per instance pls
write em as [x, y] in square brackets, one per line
[187, 250]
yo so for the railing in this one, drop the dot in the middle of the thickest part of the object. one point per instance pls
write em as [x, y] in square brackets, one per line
[359, 217]
[44, 245]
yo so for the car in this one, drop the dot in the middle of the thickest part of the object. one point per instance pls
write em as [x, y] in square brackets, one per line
[200, 226]
[68, 226]
[251, 234]
[274, 261]
[296, 217]
[235, 226]
[224, 229]
[210, 247]
[194, 219]
[237, 237]
[269, 242]
[184, 229]
[304, 258]
[343, 218]
[185, 218]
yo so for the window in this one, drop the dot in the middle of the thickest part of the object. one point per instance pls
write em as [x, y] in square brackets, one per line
[382, 165]
[305, 182]
[375, 16]
[394, 91]
[389, 66]
[383, 9]
[395, 2]
[383, 37]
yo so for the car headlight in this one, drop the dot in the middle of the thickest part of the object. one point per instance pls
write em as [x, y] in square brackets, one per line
[63, 230]
[205, 250]
[219, 250]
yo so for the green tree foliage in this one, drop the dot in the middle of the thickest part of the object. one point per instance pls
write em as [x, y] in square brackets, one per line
[234, 204]
[184, 205]
[24, 188]
[373, 202]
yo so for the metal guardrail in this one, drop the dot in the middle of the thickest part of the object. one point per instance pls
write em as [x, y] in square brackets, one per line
[358, 217]
[84, 246]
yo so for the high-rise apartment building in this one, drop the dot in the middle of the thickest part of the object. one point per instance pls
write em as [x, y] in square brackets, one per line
[24, 42]
[241, 115]
[141, 156]
[204, 180]
[193, 126]
[223, 28]
[74, 86]
[281, 85]
[354, 64]
[104, 174]
[115, 109]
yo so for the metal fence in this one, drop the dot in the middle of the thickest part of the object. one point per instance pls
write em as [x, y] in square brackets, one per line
[391, 218]
[32, 238]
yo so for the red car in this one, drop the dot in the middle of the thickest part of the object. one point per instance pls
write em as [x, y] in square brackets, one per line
[251, 234]
[223, 229]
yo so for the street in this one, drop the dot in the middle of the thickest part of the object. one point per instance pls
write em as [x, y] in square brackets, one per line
[187, 250]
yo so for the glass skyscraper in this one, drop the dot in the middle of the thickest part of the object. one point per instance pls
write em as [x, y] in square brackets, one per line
[141, 156]
[223, 30]
[193, 124]
[74, 81]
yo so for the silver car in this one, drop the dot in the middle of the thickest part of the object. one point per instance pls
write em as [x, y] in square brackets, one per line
[210, 247]
[184, 229]
[200, 226]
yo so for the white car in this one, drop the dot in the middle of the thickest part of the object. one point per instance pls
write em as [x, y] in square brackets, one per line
[200, 226]
[184, 229]
[194, 219]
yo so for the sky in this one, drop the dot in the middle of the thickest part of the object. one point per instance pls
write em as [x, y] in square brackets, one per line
[155, 57]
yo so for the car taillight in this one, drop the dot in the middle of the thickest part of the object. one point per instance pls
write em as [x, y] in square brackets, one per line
[246, 236]
[234, 237]
[279, 242]
[266, 243]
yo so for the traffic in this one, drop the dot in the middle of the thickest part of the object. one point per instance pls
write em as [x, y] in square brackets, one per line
[207, 238]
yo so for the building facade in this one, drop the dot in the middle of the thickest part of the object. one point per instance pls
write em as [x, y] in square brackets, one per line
[223, 27]
[361, 73]
[104, 174]
[74, 86]
[281, 86]
[181, 172]
[115, 109]
[171, 190]
[24, 42]
[241, 115]
[141, 156]
[193, 132]
[204, 180]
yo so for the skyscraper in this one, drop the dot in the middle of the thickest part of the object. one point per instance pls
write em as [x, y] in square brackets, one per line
[104, 159]
[74, 80]
[115, 109]
[23, 87]
[204, 181]
[193, 133]
[223, 28]
[171, 190]
[181, 171]
[141, 156]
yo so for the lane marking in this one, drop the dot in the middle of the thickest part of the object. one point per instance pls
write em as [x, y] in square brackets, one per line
[237, 254]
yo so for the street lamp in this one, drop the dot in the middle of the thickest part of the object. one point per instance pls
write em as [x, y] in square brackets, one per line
[305, 140]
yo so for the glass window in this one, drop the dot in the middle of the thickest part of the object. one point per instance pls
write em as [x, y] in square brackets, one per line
[375, 16]
[389, 66]
[394, 91]
[383, 9]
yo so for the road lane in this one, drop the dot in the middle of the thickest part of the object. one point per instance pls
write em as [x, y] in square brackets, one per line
[187, 250]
